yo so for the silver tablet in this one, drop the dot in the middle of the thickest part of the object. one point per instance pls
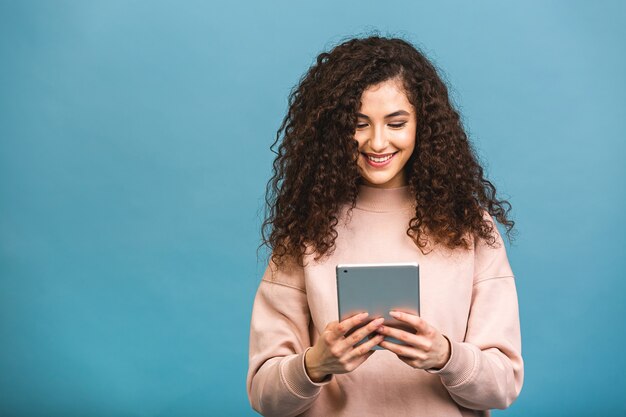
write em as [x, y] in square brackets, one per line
[378, 288]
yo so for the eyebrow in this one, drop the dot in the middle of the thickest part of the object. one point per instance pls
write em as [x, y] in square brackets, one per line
[395, 113]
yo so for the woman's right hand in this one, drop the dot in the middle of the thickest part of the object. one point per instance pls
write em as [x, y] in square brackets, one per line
[333, 353]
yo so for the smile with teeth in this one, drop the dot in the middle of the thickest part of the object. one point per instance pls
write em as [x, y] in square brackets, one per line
[379, 160]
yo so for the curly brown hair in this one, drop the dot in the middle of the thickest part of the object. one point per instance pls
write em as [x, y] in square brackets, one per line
[304, 195]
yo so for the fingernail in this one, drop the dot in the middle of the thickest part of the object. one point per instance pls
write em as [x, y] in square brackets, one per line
[394, 313]
[362, 315]
[379, 320]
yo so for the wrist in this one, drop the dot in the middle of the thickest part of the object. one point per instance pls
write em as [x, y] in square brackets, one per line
[445, 355]
[312, 369]
[447, 351]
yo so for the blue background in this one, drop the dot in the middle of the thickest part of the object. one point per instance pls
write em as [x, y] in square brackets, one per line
[134, 152]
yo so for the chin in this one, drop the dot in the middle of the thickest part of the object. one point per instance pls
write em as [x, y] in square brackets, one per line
[378, 179]
[375, 182]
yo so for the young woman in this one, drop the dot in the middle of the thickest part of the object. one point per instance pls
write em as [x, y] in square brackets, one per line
[375, 166]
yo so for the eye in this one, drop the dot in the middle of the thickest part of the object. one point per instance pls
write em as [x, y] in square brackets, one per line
[393, 125]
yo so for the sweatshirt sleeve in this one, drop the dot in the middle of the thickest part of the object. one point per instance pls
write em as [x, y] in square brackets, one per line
[277, 382]
[486, 370]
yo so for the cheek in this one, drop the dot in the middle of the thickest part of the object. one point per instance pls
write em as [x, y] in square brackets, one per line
[360, 138]
[407, 140]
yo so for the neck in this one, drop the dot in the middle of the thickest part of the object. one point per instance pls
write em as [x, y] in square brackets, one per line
[384, 199]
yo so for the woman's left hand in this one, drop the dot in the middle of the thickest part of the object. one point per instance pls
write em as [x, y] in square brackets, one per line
[427, 348]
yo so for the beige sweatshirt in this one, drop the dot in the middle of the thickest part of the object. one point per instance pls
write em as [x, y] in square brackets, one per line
[469, 296]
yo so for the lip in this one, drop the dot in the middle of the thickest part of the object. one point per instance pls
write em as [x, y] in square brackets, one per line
[382, 155]
[379, 164]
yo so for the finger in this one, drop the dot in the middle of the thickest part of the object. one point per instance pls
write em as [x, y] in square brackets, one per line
[364, 347]
[335, 331]
[361, 333]
[408, 361]
[402, 335]
[365, 356]
[359, 360]
[416, 322]
[399, 350]
[330, 333]
[350, 322]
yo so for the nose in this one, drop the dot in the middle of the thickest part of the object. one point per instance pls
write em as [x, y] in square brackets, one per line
[378, 142]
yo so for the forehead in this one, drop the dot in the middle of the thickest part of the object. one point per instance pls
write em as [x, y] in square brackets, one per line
[383, 96]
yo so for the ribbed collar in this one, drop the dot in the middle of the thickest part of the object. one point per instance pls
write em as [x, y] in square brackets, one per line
[384, 199]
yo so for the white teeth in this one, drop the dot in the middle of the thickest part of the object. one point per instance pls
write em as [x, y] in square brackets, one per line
[380, 159]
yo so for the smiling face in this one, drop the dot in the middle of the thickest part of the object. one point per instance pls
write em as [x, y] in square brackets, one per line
[386, 126]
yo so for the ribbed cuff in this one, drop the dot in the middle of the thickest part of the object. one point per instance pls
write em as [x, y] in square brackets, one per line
[294, 376]
[461, 365]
